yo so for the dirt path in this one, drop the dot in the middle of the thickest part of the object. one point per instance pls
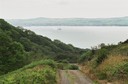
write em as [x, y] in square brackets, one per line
[73, 77]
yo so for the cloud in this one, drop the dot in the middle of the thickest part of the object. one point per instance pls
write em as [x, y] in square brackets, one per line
[63, 3]
[62, 8]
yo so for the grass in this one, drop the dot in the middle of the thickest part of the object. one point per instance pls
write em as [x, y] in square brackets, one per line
[112, 61]
[115, 68]
[112, 69]
[40, 72]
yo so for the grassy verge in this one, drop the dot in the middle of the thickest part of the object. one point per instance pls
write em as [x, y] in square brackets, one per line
[41, 72]
[114, 69]
[108, 65]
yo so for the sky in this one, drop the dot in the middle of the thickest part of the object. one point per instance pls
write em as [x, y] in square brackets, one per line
[20, 9]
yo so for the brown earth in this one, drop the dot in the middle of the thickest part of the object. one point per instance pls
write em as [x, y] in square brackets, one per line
[73, 77]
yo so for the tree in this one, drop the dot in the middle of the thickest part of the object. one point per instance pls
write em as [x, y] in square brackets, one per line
[17, 54]
[101, 45]
[87, 56]
[11, 54]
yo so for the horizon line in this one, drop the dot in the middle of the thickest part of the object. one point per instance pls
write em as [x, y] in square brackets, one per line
[67, 18]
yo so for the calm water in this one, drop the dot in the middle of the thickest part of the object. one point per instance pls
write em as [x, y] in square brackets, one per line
[83, 37]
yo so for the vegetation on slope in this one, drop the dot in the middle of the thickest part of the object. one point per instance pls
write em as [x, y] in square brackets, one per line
[19, 47]
[108, 63]
[40, 72]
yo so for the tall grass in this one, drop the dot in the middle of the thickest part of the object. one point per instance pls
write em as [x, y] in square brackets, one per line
[109, 64]
[40, 72]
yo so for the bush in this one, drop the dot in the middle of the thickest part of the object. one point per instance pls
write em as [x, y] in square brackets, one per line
[87, 56]
[40, 72]
[60, 66]
[48, 62]
[102, 54]
[121, 70]
[101, 75]
[42, 76]
[65, 61]
[73, 67]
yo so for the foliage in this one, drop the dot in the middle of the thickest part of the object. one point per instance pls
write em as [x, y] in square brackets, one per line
[102, 54]
[120, 70]
[87, 56]
[68, 56]
[67, 66]
[19, 46]
[11, 54]
[48, 62]
[101, 75]
[35, 73]
[110, 62]
[73, 67]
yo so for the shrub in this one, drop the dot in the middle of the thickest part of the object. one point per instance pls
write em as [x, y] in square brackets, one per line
[40, 72]
[87, 56]
[65, 61]
[121, 70]
[73, 67]
[102, 54]
[102, 75]
[48, 62]
[60, 66]
[42, 76]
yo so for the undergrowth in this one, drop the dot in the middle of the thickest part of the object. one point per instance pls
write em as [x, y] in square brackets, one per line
[40, 72]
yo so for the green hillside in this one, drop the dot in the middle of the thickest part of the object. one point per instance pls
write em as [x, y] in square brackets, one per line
[26, 55]
[19, 47]
[39, 72]
[108, 63]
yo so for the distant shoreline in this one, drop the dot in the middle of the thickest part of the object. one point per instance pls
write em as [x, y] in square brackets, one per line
[80, 25]
[121, 21]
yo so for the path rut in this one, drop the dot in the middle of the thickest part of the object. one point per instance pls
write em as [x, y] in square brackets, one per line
[73, 77]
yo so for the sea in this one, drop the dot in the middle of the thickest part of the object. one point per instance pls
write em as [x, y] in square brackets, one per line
[83, 36]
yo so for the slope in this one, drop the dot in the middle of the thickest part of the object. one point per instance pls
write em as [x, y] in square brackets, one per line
[19, 47]
[107, 64]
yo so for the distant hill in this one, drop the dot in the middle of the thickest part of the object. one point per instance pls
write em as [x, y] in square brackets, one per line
[120, 21]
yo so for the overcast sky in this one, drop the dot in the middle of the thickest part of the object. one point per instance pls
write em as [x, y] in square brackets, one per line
[63, 8]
